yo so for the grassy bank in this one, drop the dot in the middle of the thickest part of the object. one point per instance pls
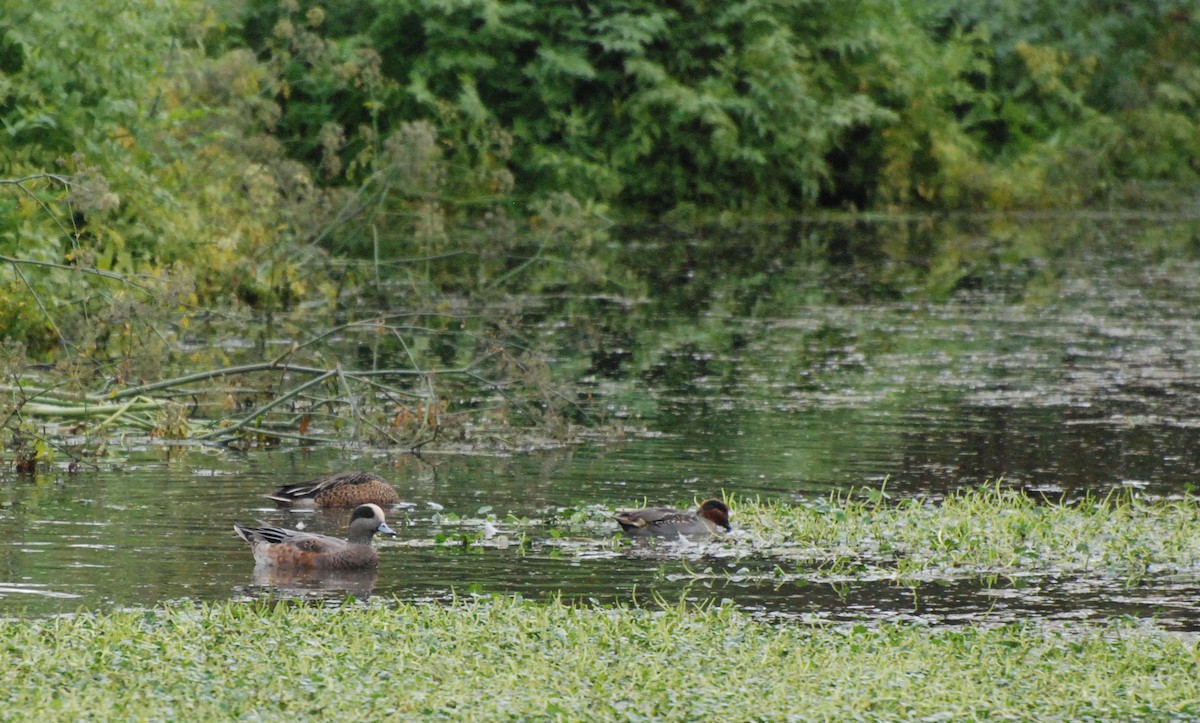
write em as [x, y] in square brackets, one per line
[503, 659]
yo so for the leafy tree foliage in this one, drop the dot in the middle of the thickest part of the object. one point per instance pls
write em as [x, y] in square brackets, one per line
[222, 152]
[1083, 96]
[759, 104]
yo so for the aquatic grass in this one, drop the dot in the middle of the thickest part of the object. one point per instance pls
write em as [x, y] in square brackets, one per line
[987, 533]
[990, 529]
[502, 658]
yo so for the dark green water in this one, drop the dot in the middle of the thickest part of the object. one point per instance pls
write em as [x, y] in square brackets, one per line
[791, 382]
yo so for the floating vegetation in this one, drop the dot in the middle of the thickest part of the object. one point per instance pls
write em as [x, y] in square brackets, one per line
[988, 532]
[289, 660]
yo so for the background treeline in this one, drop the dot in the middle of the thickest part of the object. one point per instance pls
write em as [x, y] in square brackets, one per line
[754, 105]
[245, 153]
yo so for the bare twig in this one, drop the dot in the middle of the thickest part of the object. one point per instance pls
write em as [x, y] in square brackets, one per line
[62, 411]
[268, 406]
[38, 300]
[20, 183]
[79, 269]
[35, 177]
[350, 400]
[214, 374]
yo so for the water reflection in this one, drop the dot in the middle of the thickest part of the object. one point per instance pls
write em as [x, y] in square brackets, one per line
[62, 553]
[358, 583]
[17, 589]
[650, 578]
[773, 366]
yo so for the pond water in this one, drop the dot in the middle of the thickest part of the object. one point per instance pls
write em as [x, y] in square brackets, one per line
[763, 374]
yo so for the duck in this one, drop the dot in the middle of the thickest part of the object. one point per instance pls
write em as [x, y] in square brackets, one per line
[283, 548]
[341, 490]
[710, 518]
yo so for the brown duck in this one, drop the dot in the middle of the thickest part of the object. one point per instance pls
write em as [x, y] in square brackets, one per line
[278, 547]
[341, 490]
[710, 518]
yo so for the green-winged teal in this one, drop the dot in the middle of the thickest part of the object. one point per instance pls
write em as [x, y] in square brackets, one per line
[279, 547]
[344, 489]
[710, 518]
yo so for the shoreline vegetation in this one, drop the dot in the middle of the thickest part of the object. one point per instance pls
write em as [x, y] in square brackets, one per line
[989, 532]
[502, 658]
[282, 658]
[253, 222]
[998, 536]
[200, 180]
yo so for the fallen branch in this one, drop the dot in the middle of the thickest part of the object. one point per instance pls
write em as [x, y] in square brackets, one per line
[267, 407]
[398, 406]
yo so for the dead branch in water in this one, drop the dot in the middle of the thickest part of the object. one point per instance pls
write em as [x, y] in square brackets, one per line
[363, 398]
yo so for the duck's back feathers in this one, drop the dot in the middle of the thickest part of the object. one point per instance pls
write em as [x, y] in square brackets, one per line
[711, 517]
[651, 517]
[344, 489]
[278, 547]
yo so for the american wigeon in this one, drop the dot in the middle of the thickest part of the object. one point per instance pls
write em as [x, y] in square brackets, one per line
[344, 489]
[710, 518]
[279, 547]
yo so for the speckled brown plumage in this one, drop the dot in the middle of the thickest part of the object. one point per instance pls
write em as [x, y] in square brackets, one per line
[711, 517]
[279, 547]
[341, 490]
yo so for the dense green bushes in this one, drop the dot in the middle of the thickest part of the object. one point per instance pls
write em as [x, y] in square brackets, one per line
[164, 174]
[217, 152]
[760, 105]
[1092, 95]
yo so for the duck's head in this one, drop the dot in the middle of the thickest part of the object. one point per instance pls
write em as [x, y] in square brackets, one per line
[366, 520]
[717, 512]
